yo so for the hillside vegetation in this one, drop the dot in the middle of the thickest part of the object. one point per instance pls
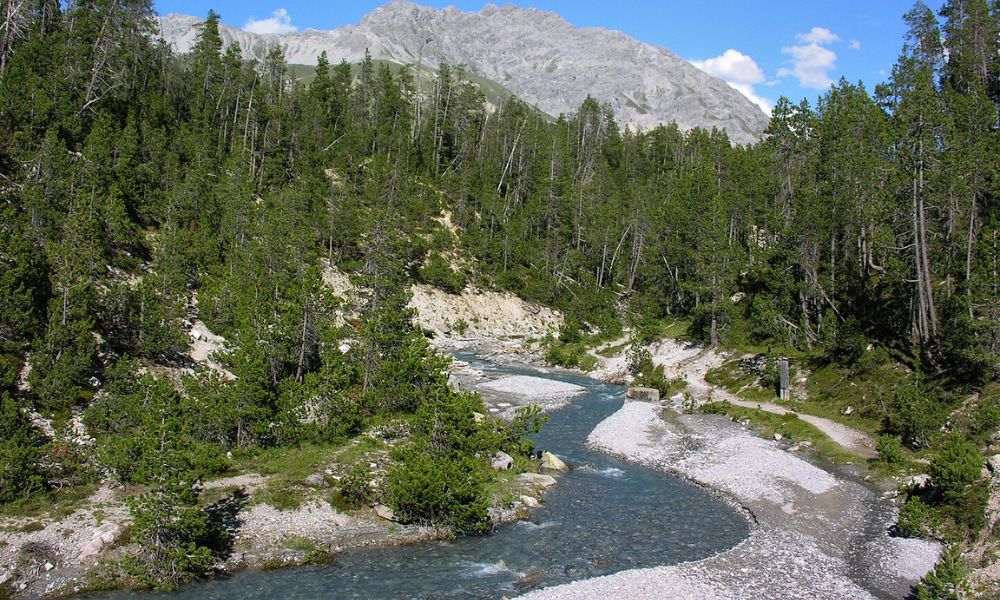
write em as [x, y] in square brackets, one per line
[141, 192]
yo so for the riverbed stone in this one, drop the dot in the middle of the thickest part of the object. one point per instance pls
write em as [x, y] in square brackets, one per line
[502, 461]
[536, 480]
[103, 537]
[552, 462]
[529, 501]
[385, 512]
[993, 464]
[643, 393]
[316, 480]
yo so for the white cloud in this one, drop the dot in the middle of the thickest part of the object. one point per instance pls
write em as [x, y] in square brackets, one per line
[279, 22]
[818, 35]
[740, 71]
[855, 45]
[811, 61]
[732, 65]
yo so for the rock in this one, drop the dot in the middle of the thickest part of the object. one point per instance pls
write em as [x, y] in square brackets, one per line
[317, 481]
[8, 575]
[917, 481]
[49, 566]
[553, 463]
[502, 461]
[529, 501]
[385, 512]
[536, 480]
[643, 393]
[848, 411]
[104, 536]
[479, 417]
[778, 437]
[993, 464]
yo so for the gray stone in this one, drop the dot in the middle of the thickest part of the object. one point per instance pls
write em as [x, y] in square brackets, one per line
[104, 536]
[536, 480]
[502, 461]
[778, 437]
[553, 463]
[385, 512]
[917, 481]
[993, 464]
[317, 480]
[529, 501]
[643, 393]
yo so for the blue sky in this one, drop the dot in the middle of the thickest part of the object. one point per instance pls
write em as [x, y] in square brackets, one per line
[765, 48]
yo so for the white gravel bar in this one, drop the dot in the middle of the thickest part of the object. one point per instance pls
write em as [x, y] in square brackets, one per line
[817, 535]
[533, 388]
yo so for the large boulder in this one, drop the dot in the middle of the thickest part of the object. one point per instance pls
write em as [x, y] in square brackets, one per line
[385, 512]
[643, 393]
[502, 461]
[993, 464]
[552, 462]
[103, 536]
[536, 480]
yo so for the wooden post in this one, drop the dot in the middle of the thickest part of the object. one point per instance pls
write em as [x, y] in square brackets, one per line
[783, 378]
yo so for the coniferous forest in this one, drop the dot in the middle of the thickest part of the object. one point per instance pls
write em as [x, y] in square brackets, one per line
[141, 190]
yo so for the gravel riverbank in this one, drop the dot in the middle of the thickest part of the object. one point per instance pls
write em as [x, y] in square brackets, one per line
[818, 535]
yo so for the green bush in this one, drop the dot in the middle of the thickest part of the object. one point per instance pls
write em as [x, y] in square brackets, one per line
[438, 272]
[914, 415]
[354, 488]
[173, 534]
[715, 408]
[947, 581]
[955, 467]
[958, 488]
[890, 450]
[912, 518]
[448, 491]
[20, 476]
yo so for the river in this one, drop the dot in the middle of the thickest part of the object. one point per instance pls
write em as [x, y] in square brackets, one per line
[605, 516]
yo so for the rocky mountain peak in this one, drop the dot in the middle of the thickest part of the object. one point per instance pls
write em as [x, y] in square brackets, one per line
[536, 55]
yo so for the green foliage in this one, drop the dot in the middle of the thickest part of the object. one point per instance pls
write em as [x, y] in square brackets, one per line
[172, 532]
[20, 475]
[448, 491]
[354, 486]
[136, 418]
[913, 517]
[956, 476]
[514, 436]
[438, 272]
[914, 415]
[890, 450]
[948, 579]
[956, 466]
[715, 408]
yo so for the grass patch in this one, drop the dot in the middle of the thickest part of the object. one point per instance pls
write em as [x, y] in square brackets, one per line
[833, 389]
[673, 328]
[299, 544]
[791, 427]
[56, 505]
[731, 378]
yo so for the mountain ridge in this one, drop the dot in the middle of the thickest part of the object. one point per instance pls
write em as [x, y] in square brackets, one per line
[537, 55]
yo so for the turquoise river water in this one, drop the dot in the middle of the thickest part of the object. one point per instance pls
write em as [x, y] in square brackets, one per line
[606, 515]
